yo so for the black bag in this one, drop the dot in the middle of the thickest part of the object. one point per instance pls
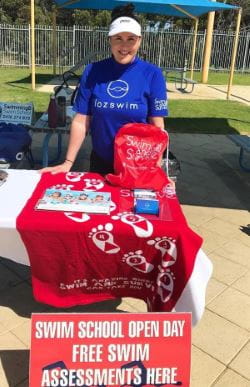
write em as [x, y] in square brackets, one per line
[14, 142]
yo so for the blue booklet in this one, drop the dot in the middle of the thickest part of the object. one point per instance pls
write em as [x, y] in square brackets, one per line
[147, 206]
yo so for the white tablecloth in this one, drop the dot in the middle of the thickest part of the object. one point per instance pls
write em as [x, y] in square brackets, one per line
[13, 196]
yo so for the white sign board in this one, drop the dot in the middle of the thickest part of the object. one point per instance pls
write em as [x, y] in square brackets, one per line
[16, 113]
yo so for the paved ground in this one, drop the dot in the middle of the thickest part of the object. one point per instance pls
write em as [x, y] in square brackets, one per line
[214, 194]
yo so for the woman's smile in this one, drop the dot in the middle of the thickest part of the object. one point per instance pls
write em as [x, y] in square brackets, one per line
[124, 47]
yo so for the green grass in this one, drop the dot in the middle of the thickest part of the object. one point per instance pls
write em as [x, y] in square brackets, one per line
[186, 116]
[221, 78]
[216, 78]
[16, 86]
[208, 116]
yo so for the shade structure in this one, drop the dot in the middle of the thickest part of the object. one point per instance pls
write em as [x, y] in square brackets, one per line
[177, 8]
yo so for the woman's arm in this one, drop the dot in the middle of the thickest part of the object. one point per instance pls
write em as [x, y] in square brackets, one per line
[156, 121]
[78, 130]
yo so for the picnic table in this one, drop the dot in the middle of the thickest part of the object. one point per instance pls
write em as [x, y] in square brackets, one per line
[41, 126]
[182, 83]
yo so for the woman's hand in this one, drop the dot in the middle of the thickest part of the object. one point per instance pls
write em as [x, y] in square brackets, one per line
[64, 167]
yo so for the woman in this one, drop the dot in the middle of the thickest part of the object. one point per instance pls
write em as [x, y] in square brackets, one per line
[113, 92]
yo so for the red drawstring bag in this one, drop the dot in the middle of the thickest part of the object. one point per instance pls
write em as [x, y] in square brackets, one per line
[138, 151]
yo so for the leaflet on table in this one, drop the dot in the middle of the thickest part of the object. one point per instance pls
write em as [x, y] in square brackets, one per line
[142, 193]
[75, 201]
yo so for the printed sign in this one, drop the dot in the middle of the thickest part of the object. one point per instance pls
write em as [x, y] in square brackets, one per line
[125, 349]
[16, 113]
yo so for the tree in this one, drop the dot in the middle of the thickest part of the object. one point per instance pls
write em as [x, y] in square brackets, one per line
[18, 11]
[84, 18]
[4, 18]
[102, 19]
[227, 20]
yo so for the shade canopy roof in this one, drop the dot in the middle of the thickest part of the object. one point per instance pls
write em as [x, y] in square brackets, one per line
[178, 8]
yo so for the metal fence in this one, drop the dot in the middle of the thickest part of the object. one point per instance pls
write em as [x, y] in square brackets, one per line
[164, 48]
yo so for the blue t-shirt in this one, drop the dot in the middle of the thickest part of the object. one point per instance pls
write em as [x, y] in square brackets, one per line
[115, 94]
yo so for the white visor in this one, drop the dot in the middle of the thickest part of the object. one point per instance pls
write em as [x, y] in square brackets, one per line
[124, 24]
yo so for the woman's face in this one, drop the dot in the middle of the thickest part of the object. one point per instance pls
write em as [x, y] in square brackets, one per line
[124, 47]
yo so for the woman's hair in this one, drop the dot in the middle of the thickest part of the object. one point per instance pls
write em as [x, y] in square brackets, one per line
[124, 10]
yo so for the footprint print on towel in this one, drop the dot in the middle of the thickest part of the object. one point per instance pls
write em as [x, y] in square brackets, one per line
[93, 184]
[165, 284]
[141, 226]
[138, 261]
[62, 186]
[74, 176]
[103, 239]
[112, 206]
[168, 249]
[77, 216]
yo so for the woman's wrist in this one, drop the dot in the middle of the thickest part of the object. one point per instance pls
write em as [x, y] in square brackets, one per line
[69, 161]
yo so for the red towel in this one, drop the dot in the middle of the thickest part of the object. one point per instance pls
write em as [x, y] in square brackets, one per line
[83, 258]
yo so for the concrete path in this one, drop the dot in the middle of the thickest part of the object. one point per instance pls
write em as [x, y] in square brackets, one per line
[215, 197]
[201, 91]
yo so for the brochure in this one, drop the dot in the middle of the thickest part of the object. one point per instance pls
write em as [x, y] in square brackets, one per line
[75, 201]
[144, 193]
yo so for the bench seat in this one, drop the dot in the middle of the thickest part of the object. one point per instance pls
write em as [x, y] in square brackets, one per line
[182, 84]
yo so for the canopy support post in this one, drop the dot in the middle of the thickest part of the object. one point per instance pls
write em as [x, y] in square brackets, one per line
[196, 20]
[183, 11]
[32, 24]
[208, 47]
[236, 39]
[194, 47]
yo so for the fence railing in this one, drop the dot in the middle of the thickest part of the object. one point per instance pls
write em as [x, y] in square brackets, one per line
[165, 48]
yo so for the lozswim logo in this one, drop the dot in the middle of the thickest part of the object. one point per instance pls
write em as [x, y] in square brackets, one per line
[118, 88]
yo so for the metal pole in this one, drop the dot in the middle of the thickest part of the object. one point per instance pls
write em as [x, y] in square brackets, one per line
[32, 23]
[208, 47]
[246, 51]
[74, 42]
[160, 52]
[236, 39]
[54, 45]
[194, 47]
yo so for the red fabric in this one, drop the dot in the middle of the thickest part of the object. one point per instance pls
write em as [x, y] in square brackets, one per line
[80, 258]
[137, 154]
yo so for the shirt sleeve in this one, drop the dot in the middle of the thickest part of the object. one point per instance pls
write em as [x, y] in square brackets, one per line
[82, 102]
[157, 101]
